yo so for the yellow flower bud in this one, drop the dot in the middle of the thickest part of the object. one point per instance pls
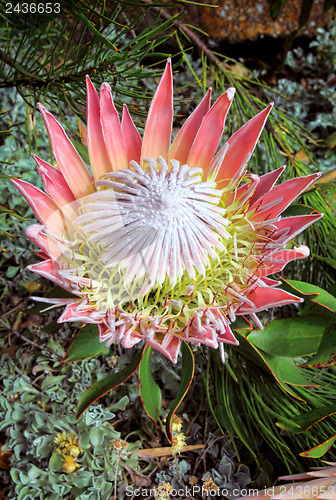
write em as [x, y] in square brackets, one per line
[74, 450]
[70, 465]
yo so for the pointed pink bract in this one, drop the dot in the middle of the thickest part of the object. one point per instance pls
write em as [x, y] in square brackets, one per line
[77, 311]
[242, 144]
[183, 141]
[266, 297]
[279, 198]
[289, 227]
[132, 139]
[69, 161]
[58, 189]
[43, 207]
[48, 270]
[210, 132]
[277, 260]
[55, 183]
[171, 351]
[34, 234]
[111, 129]
[99, 159]
[266, 182]
[156, 139]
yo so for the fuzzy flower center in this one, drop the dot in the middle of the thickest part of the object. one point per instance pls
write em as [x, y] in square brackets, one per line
[154, 223]
[154, 241]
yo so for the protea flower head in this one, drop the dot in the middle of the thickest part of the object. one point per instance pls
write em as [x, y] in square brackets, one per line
[162, 242]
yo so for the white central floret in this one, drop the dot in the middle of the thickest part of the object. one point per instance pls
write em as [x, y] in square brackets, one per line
[155, 222]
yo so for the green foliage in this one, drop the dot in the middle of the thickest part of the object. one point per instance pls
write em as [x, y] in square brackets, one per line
[307, 95]
[261, 388]
[227, 477]
[38, 402]
[85, 345]
[187, 374]
[150, 392]
[266, 383]
[106, 384]
[32, 414]
[48, 60]
[14, 156]
[291, 337]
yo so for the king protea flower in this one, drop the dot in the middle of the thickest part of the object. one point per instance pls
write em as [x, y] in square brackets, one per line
[163, 242]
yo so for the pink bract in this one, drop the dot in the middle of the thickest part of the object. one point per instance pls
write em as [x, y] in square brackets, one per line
[163, 242]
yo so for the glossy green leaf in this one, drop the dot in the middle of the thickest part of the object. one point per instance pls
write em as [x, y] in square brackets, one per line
[188, 369]
[310, 292]
[326, 353]
[106, 384]
[150, 392]
[306, 420]
[292, 337]
[296, 209]
[312, 309]
[248, 350]
[285, 371]
[320, 450]
[85, 345]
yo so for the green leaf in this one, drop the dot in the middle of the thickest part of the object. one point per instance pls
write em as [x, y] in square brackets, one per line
[51, 380]
[319, 450]
[291, 338]
[85, 345]
[306, 420]
[12, 271]
[284, 370]
[103, 386]
[120, 405]
[296, 209]
[248, 350]
[188, 369]
[150, 393]
[56, 462]
[326, 353]
[308, 291]
[96, 436]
